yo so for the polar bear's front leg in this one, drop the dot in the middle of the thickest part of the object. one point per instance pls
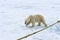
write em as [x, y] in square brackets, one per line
[33, 24]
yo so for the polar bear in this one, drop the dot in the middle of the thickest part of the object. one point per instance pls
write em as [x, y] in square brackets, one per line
[35, 18]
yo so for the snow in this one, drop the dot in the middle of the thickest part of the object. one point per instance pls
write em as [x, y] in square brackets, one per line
[14, 12]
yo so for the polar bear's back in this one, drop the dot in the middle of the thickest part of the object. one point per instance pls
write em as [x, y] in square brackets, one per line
[38, 17]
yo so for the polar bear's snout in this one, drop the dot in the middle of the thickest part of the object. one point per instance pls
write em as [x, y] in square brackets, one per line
[25, 22]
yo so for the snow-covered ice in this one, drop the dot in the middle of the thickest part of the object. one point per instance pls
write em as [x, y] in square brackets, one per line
[14, 12]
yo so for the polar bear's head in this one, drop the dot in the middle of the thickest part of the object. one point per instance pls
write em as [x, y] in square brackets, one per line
[28, 20]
